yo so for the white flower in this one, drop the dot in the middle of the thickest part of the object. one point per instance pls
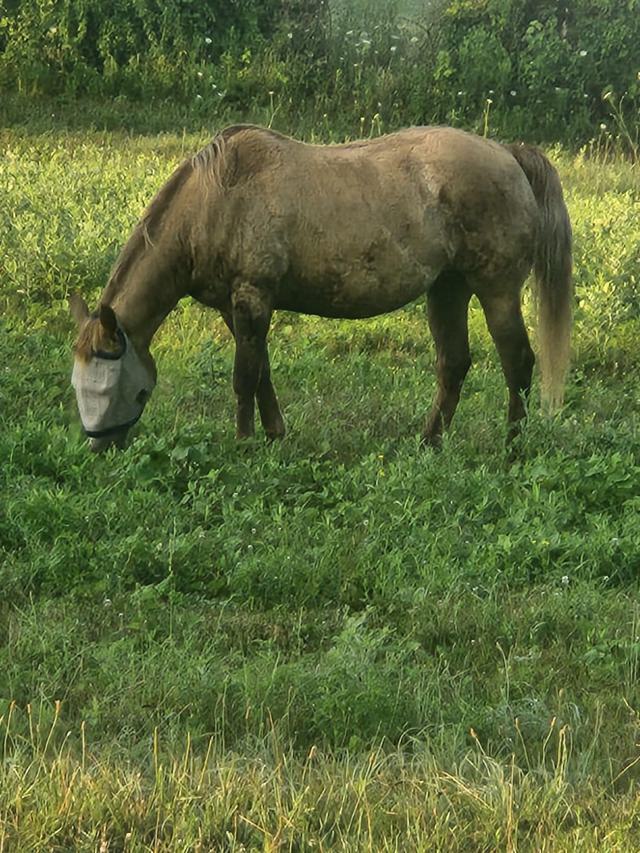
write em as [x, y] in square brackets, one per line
[289, 35]
[565, 580]
[491, 92]
[200, 74]
[489, 101]
[393, 48]
[603, 126]
[513, 93]
[461, 92]
[414, 40]
[207, 40]
[198, 97]
[583, 53]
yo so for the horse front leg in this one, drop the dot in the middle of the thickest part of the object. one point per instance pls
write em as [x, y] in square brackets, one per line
[252, 380]
[270, 415]
[251, 315]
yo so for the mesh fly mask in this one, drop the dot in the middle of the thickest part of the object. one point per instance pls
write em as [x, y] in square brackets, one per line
[111, 389]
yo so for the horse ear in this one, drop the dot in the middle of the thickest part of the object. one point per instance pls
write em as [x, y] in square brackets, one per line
[108, 320]
[78, 308]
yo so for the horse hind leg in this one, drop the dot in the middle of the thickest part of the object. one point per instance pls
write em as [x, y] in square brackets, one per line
[447, 309]
[504, 319]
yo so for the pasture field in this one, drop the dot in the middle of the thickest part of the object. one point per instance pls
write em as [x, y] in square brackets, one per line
[340, 641]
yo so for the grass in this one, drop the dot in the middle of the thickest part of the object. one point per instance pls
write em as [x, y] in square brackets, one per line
[273, 799]
[340, 641]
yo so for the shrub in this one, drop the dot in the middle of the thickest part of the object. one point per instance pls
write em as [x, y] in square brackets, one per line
[366, 66]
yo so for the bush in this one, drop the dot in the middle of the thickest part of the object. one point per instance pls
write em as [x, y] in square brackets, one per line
[540, 69]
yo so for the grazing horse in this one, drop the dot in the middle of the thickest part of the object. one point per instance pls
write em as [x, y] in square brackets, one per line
[257, 221]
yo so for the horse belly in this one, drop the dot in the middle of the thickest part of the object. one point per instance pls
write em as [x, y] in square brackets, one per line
[351, 278]
[352, 293]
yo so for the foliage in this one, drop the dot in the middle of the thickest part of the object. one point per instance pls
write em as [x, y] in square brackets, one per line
[376, 63]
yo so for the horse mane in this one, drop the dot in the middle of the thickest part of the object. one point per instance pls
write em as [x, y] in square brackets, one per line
[211, 166]
[209, 163]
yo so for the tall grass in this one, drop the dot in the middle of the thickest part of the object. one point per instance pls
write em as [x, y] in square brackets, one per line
[273, 799]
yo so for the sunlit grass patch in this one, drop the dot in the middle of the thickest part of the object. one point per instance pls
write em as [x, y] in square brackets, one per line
[65, 795]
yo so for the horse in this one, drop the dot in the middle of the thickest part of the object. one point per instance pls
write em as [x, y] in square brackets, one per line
[257, 221]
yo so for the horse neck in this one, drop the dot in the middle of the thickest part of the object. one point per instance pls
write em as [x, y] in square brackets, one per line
[149, 289]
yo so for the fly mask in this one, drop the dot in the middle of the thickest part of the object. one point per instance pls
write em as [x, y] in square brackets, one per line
[111, 389]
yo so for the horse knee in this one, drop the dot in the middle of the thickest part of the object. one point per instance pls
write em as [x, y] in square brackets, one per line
[251, 312]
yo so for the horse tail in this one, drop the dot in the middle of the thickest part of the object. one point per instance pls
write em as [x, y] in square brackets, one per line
[553, 289]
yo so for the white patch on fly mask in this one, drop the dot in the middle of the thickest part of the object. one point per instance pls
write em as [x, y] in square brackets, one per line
[108, 390]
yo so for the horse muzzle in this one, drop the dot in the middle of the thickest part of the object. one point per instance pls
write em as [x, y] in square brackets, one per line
[116, 438]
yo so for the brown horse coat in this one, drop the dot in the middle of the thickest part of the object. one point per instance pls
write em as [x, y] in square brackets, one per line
[359, 229]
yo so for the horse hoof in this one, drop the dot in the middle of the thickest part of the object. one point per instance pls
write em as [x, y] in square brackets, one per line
[275, 434]
[431, 442]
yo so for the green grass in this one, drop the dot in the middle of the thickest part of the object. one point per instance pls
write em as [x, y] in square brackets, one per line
[341, 640]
